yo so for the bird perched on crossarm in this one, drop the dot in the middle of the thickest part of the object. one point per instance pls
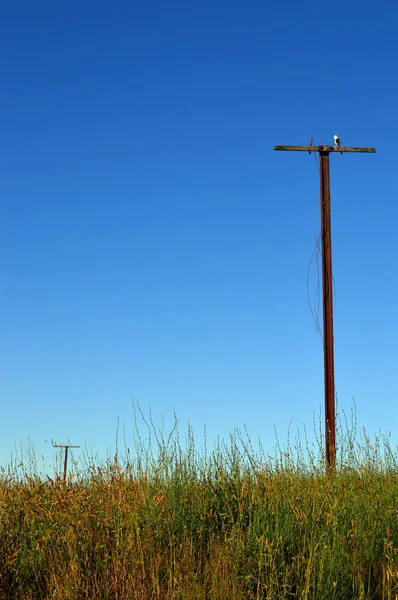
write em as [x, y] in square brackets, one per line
[337, 141]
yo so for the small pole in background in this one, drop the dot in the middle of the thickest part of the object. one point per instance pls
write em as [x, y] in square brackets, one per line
[66, 446]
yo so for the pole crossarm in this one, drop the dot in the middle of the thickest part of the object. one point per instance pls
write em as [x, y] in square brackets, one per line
[65, 446]
[324, 149]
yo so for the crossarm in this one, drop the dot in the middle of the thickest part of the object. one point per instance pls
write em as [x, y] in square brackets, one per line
[324, 149]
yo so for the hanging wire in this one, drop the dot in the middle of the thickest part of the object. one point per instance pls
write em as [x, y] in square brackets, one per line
[315, 304]
[317, 255]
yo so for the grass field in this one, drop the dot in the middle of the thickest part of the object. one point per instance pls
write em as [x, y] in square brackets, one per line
[168, 522]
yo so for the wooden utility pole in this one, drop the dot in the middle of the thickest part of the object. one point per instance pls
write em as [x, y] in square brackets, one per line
[66, 446]
[327, 287]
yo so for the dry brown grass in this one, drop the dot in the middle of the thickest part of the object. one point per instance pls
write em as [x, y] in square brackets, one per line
[186, 528]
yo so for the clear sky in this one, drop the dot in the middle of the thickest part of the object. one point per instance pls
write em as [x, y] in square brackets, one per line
[153, 245]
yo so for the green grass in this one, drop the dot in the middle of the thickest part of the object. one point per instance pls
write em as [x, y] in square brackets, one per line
[174, 523]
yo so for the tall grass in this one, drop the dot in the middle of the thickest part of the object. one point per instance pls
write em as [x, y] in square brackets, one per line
[168, 522]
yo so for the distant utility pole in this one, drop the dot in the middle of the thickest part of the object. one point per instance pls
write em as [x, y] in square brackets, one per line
[327, 290]
[66, 446]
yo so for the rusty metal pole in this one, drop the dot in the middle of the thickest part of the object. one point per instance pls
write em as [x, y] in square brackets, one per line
[327, 294]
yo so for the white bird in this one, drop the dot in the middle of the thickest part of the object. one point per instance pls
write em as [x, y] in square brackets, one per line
[337, 141]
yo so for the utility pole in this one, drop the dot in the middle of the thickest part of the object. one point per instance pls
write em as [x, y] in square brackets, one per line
[327, 287]
[66, 446]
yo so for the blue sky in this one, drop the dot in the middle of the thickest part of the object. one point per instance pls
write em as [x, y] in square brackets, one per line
[155, 246]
